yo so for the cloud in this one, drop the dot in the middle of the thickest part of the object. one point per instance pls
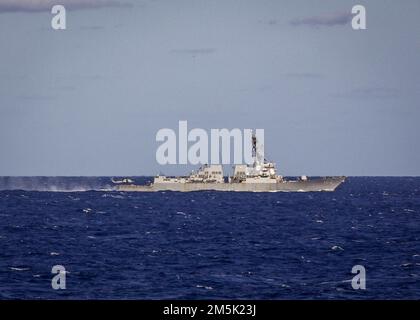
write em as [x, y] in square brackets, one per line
[195, 51]
[327, 20]
[370, 93]
[303, 75]
[91, 28]
[46, 5]
[34, 97]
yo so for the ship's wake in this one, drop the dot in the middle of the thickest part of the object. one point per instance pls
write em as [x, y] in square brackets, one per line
[56, 184]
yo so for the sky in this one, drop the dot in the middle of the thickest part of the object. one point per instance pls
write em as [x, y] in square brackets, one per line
[89, 100]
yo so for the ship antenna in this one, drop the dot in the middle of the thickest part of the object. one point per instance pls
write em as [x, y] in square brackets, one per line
[257, 153]
[254, 145]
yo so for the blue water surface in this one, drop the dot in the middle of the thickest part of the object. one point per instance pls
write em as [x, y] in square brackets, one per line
[209, 245]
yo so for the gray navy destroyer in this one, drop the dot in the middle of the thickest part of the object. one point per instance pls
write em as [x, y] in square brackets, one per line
[261, 176]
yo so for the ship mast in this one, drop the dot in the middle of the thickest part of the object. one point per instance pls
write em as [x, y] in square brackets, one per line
[257, 151]
[254, 147]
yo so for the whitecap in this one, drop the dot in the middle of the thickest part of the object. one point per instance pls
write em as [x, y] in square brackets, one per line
[406, 264]
[19, 269]
[205, 287]
[54, 253]
[337, 248]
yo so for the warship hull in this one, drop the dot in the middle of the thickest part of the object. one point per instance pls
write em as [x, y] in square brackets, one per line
[311, 185]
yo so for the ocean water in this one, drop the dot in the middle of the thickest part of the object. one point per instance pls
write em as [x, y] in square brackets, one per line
[209, 245]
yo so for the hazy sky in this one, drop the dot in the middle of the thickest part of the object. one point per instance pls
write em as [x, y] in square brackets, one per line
[89, 100]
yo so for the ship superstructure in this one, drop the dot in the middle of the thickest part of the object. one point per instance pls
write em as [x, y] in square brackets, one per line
[260, 176]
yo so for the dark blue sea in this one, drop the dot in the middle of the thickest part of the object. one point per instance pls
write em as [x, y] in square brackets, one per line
[209, 245]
